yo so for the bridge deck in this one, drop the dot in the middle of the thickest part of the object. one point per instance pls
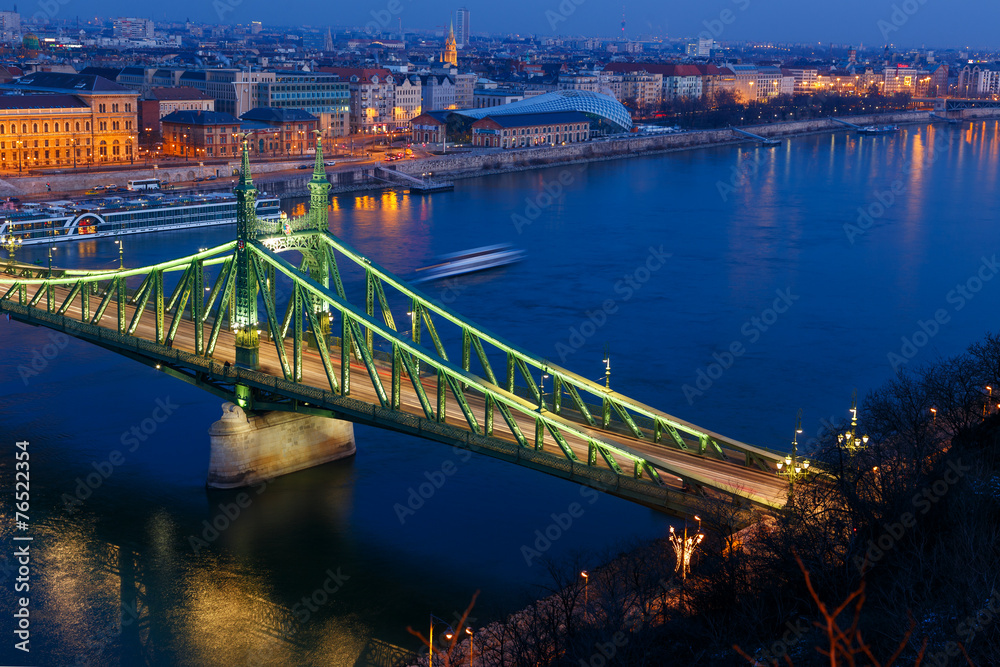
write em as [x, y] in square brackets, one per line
[763, 488]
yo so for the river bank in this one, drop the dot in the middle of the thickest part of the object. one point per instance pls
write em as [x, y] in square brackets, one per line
[472, 163]
[499, 161]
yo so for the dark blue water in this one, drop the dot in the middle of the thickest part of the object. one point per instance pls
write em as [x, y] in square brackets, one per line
[675, 262]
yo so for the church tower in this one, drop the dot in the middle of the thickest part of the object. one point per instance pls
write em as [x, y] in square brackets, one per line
[450, 54]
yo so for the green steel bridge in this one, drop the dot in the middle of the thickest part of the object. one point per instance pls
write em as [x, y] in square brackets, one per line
[197, 319]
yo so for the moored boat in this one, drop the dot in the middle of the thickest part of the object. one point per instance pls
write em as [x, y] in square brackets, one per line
[50, 222]
[878, 129]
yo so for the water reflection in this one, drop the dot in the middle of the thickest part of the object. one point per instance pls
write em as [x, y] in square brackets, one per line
[233, 599]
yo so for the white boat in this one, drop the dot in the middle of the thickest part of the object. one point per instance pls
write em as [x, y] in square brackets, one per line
[878, 129]
[470, 261]
[51, 222]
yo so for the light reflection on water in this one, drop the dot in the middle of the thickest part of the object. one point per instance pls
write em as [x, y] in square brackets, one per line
[234, 601]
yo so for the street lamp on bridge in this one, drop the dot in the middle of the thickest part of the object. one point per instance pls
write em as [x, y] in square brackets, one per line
[791, 467]
[10, 244]
[541, 390]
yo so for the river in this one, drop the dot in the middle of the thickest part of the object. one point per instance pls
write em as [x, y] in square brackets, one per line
[732, 286]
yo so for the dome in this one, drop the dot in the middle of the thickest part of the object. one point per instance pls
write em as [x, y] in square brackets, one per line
[30, 41]
[585, 101]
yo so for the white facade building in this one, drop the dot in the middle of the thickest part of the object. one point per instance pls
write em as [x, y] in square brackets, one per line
[10, 27]
[133, 28]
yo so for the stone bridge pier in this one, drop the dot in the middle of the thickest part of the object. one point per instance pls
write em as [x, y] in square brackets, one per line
[249, 449]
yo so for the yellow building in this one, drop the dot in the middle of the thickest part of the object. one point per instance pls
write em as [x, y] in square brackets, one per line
[66, 120]
[450, 54]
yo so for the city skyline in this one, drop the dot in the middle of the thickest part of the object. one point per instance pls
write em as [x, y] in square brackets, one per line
[905, 24]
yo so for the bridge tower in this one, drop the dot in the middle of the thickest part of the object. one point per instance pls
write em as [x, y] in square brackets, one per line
[245, 306]
[319, 264]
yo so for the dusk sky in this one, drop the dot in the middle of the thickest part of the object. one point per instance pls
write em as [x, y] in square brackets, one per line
[932, 23]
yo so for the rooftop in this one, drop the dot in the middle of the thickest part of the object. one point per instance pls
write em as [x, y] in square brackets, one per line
[40, 102]
[276, 115]
[181, 93]
[68, 83]
[545, 118]
[199, 117]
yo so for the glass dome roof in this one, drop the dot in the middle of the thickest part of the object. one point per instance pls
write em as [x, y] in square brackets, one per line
[585, 101]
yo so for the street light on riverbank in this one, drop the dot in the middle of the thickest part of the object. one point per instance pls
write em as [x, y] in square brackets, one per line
[849, 439]
[684, 547]
[430, 638]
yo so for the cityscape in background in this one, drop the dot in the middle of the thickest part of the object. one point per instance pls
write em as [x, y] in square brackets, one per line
[82, 93]
[531, 351]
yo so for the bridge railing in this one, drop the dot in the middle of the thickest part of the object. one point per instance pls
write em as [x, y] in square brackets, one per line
[645, 491]
[361, 328]
[548, 424]
[612, 403]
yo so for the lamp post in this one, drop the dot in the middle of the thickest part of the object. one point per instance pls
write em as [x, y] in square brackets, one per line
[989, 400]
[684, 547]
[607, 368]
[683, 550]
[586, 601]
[791, 467]
[49, 291]
[849, 439]
[430, 638]
[468, 631]
[11, 244]
[19, 142]
[541, 391]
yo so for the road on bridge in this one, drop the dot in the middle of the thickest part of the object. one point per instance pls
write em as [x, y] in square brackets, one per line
[764, 487]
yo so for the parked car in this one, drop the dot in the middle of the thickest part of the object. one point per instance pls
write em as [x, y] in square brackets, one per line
[302, 166]
[211, 178]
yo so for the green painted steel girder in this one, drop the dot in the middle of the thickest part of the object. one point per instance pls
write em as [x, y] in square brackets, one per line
[444, 368]
[621, 403]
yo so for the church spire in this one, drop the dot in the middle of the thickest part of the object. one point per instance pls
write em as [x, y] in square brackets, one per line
[450, 54]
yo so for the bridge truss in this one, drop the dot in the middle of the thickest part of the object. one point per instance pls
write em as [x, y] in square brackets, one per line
[317, 350]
